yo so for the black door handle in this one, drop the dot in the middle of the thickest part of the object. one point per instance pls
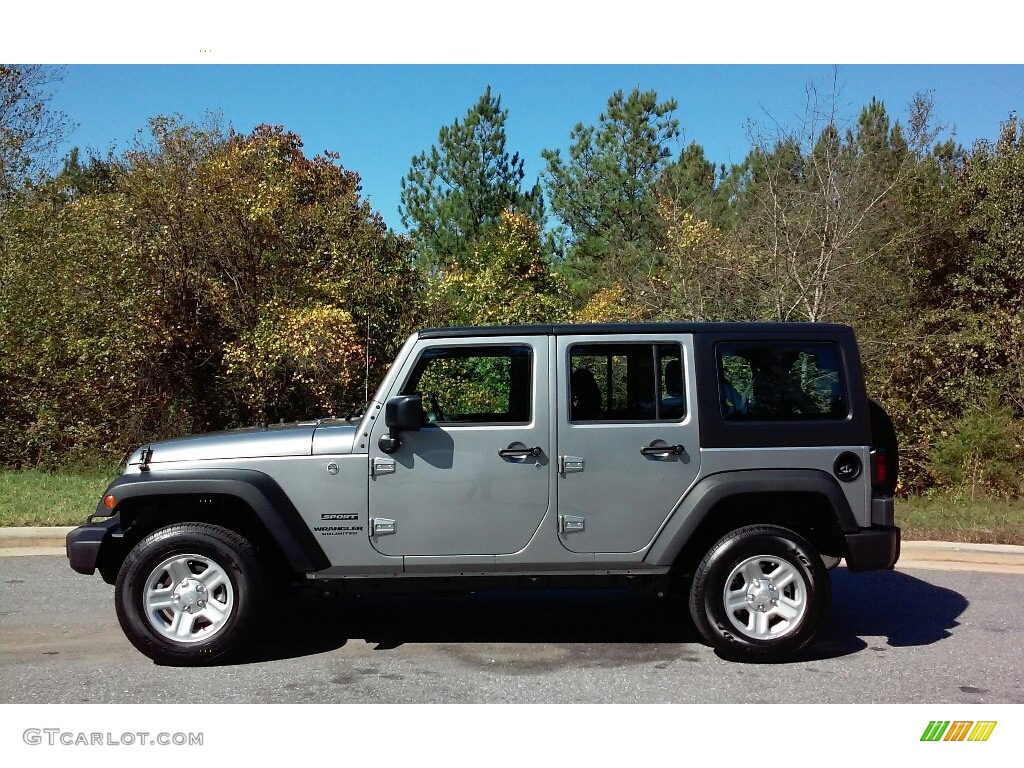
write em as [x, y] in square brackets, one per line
[508, 453]
[649, 450]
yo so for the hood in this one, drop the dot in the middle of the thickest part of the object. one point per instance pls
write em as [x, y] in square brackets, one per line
[249, 443]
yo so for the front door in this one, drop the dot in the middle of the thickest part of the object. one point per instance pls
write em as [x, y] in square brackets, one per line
[474, 480]
[627, 438]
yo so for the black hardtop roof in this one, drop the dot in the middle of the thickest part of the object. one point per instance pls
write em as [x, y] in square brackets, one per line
[564, 329]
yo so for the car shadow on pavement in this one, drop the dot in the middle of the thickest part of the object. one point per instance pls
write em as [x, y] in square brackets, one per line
[544, 616]
[890, 604]
[905, 610]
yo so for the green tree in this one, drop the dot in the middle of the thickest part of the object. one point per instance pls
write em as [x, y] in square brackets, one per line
[78, 177]
[457, 191]
[75, 340]
[604, 192]
[962, 361]
[989, 201]
[971, 292]
[693, 184]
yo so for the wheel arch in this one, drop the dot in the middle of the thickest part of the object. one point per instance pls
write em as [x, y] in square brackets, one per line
[247, 501]
[808, 501]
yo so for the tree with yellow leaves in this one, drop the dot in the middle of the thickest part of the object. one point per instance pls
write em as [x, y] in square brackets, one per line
[507, 280]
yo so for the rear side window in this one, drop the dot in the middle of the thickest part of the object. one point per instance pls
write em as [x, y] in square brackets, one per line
[761, 381]
[626, 382]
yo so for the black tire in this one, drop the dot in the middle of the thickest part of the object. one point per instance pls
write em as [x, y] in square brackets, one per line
[769, 549]
[233, 554]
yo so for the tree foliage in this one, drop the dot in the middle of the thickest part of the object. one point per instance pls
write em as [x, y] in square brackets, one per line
[239, 230]
[604, 192]
[207, 278]
[507, 281]
[968, 319]
[30, 131]
[217, 279]
[73, 336]
[457, 191]
[692, 184]
[817, 206]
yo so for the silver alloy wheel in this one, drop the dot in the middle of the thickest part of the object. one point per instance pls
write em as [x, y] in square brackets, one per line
[765, 597]
[188, 598]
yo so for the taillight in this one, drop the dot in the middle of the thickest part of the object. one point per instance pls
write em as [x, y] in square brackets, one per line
[879, 469]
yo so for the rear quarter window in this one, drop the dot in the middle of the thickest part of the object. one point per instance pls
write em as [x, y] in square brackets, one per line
[791, 381]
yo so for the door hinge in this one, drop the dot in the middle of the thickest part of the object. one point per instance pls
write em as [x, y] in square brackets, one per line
[570, 524]
[568, 464]
[380, 466]
[382, 526]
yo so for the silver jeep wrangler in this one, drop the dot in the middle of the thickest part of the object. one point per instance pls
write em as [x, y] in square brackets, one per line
[732, 461]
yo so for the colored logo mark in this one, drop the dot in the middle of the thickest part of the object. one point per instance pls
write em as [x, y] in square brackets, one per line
[958, 730]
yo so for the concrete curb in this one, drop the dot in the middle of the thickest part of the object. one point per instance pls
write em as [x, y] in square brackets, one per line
[945, 555]
[959, 556]
[40, 536]
[40, 540]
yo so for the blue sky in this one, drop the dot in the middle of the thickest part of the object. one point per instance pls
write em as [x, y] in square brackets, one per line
[378, 116]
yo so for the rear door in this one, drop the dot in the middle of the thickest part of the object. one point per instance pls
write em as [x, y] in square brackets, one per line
[627, 437]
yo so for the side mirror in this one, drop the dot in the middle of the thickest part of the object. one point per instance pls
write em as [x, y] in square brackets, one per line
[404, 412]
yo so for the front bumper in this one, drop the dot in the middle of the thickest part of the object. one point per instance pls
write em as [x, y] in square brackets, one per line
[84, 543]
[872, 549]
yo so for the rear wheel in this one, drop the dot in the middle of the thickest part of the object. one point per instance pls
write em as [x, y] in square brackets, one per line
[188, 594]
[760, 594]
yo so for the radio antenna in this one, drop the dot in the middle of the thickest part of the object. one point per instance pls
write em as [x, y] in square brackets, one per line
[366, 349]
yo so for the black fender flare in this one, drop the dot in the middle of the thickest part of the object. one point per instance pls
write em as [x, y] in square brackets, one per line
[702, 498]
[259, 491]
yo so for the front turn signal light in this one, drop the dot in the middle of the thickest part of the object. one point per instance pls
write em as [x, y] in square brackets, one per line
[109, 501]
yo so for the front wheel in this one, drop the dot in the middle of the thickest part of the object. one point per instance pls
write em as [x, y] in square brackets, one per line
[188, 594]
[760, 594]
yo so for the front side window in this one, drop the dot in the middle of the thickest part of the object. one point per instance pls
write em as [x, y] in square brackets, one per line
[761, 381]
[626, 382]
[474, 385]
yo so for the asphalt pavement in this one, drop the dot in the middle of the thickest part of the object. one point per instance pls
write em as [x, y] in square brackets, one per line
[909, 635]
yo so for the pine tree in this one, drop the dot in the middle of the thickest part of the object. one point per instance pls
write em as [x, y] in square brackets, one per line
[457, 191]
